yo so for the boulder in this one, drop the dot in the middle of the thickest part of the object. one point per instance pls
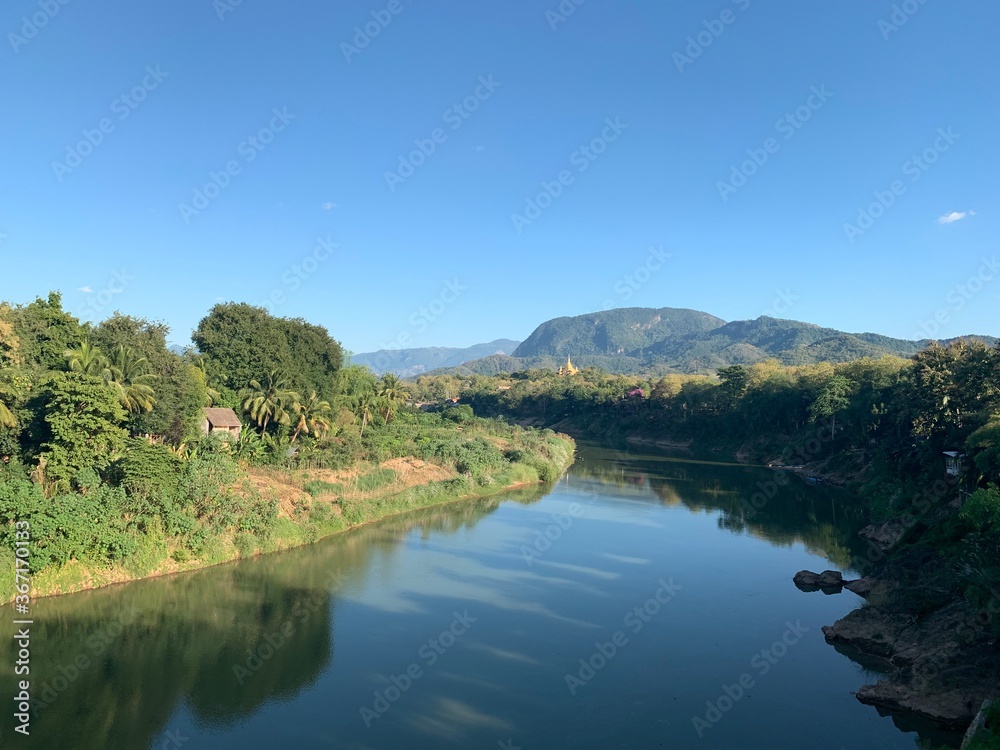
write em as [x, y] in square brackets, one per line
[806, 578]
[830, 579]
[863, 587]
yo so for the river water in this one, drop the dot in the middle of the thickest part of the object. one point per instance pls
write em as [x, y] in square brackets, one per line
[639, 603]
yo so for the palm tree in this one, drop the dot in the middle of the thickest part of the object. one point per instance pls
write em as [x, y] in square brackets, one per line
[313, 416]
[198, 370]
[128, 374]
[365, 406]
[7, 418]
[270, 400]
[87, 360]
[392, 394]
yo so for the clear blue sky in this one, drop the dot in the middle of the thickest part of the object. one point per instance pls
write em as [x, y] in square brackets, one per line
[72, 225]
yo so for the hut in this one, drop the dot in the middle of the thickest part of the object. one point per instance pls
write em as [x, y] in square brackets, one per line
[221, 420]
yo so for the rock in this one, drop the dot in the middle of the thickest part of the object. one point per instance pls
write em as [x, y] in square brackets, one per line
[954, 708]
[806, 578]
[863, 587]
[885, 535]
[829, 579]
[942, 665]
[871, 630]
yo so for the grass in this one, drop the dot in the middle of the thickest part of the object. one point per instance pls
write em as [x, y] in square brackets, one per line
[376, 480]
[369, 498]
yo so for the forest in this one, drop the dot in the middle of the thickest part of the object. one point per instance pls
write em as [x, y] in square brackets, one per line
[104, 449]
[879, 426]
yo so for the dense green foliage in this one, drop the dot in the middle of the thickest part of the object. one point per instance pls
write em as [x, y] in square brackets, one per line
[881, 425]
[660, 341]
[103, 447]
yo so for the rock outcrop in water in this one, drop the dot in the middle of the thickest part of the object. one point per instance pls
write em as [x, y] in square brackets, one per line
[941, 666]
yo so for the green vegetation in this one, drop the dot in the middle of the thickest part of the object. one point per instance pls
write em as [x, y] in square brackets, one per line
[641, 340]
[881, 426]
[103, 448]
[989, 738]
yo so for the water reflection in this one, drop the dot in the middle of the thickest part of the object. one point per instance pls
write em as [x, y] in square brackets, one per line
[316, 631]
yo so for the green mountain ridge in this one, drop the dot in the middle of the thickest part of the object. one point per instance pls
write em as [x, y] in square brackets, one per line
[663, 340]
[408, 363]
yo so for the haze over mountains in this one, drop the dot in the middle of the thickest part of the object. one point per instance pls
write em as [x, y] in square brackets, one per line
[411, 362]
[641, 339]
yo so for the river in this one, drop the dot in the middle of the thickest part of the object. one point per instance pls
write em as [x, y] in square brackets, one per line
[641, 602]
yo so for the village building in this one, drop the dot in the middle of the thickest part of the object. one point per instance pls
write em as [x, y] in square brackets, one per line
[223, 421]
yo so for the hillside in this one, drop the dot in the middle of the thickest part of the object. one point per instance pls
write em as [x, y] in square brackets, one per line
[661, 340]
[408, 363]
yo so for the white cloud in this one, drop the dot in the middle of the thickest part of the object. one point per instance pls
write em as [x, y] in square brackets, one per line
[955, 216]
[329, 206]
[85, 289]
[479, 149]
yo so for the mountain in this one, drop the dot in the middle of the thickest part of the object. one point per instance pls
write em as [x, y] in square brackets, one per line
[638, 339]
[614, 332]
[408, 363]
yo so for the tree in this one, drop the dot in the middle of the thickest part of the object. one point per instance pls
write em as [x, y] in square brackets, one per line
[241, 343]
[391, 393]
[313, 416]
[85, 419]
[735, 381]
[270, 399]
[365, 406]
[833, 397]
[10, 345]
[86, 359]
[44, 332]
[7, 418]
[129, 376]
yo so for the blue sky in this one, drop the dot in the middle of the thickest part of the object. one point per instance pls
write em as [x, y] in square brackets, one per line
[661, 129]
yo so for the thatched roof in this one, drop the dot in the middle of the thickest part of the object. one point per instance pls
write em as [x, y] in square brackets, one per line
[222, 417]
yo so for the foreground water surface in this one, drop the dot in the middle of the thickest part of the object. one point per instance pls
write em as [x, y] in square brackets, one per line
[639, 603]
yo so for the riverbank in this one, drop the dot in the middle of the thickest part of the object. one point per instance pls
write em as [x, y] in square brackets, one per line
[934, 648]
[310, 505]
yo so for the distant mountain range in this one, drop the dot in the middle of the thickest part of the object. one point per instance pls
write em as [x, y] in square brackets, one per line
[408, 363]
[661, 340]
